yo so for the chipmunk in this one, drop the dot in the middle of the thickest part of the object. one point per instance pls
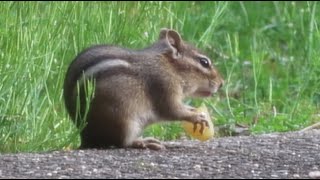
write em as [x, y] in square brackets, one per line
[136, 88]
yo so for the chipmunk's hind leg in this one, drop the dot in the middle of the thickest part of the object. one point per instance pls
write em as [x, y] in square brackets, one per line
[148, 143]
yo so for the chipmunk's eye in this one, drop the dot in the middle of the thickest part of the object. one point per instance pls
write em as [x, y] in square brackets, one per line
[204, 62]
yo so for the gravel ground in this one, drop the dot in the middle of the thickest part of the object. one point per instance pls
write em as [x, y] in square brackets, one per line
[287, 155]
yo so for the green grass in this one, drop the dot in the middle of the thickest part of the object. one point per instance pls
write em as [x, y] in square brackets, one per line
[268, 53]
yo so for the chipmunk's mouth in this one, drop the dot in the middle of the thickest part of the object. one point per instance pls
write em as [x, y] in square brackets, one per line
[206, 92]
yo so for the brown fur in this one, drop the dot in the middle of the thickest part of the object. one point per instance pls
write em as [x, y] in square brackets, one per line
[149, 90]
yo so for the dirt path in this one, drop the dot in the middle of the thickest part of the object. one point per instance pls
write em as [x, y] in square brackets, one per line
[289, 155]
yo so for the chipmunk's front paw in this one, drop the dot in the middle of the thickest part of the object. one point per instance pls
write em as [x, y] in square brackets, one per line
[202, 120]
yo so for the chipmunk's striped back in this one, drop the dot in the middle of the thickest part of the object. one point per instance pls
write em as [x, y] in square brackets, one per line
[92, 62]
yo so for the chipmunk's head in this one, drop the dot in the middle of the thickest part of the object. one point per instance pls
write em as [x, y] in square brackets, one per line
[199, 77]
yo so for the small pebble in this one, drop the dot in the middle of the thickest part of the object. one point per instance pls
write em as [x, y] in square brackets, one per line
[314, 174]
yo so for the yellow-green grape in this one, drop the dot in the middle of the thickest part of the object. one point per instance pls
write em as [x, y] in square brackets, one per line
[208, 131]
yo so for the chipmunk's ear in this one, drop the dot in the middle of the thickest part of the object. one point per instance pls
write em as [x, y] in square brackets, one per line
[173, 39]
